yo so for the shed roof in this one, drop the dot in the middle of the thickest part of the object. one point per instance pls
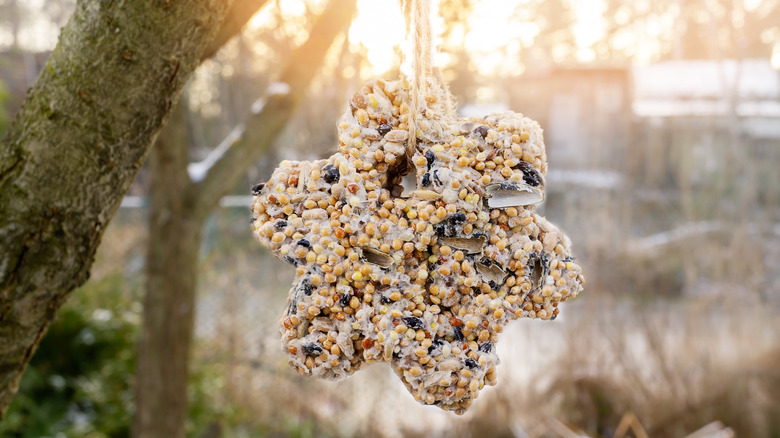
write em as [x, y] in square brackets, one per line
[704, 88]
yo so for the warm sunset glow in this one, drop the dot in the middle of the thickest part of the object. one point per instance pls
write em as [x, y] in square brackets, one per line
[379, 26]
[494, 35]
[589, 27]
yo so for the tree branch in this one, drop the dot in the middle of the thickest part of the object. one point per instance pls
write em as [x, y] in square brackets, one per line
[238, 15]
[266, 122]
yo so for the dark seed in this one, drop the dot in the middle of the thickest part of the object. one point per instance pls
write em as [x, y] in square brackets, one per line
[533, 258]
[459, 334]
[413, 322]
[426, 180]
[292, 303]
[280, 224]
[257, 188]
[345, 300]
[471, 363]
[533, 178]
[493, 285]
[430, 157]
[304, 243]
[312, 349]
[436, 179]
[444, 230]
[330, 174]
[396, 190]
[437, 342]
[386, 300]
[552, 318]
[458, 218]
[482, 130]
[291, 261]
[530, 175]
[307, 287]
[384, 128]
[487, 347]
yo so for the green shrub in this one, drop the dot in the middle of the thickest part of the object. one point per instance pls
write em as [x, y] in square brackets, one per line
[80, 380]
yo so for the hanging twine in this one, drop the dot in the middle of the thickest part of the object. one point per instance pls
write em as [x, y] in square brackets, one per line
[420, 29]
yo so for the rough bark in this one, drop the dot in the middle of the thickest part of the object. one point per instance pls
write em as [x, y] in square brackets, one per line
[75, 147]
[177, 210]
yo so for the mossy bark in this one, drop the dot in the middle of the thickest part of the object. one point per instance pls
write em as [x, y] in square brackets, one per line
[76, 145]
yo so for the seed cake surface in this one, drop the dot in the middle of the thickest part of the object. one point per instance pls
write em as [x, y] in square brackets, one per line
[424, 279]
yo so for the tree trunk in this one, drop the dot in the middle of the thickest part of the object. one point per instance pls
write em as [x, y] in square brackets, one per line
[179, 207]
[169, 303]
[75, 147]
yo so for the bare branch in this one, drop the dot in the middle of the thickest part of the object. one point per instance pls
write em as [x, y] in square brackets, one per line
[266, 122]
[238, 15]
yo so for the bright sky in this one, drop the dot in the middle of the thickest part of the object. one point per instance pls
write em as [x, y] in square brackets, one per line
[379, 26]
[589, 28]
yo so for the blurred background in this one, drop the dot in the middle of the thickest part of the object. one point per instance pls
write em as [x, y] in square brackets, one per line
[662, 125]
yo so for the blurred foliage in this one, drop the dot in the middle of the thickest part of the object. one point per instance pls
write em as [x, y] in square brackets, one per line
[79, 382]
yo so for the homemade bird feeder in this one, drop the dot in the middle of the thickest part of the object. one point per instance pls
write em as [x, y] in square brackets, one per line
[425, 277]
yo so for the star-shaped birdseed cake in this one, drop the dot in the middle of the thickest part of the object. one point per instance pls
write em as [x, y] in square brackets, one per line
[425, 279]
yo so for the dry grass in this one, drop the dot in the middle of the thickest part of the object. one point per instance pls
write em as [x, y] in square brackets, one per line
[679, 338]
[677, 366]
